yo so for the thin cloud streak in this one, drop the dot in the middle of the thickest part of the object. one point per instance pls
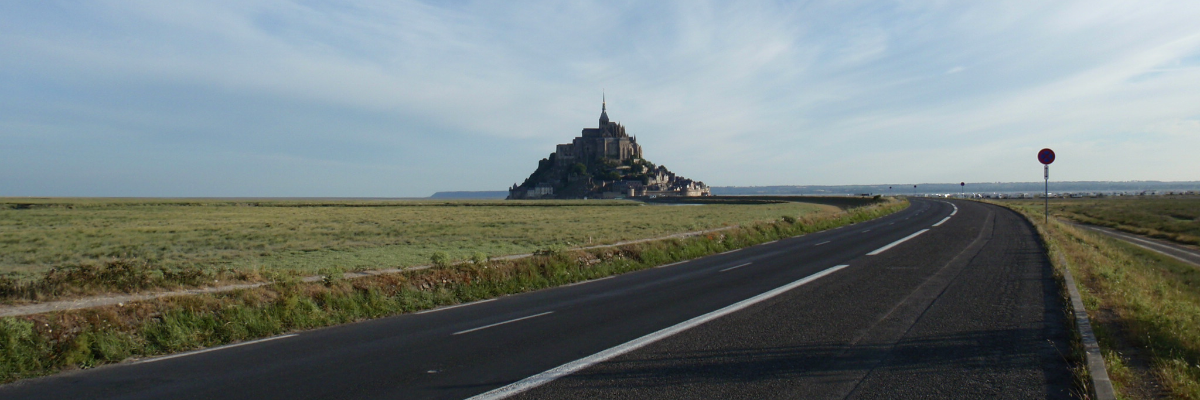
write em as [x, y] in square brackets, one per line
[406, 98]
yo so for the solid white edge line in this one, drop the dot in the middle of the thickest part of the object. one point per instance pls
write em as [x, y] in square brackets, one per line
[591, 280]
[454, 306]
[668, 265]
[191, 353]
[571, 367]
[731, 251]
[735, 267]
[942, 221]
[501, 323]
[885, 248]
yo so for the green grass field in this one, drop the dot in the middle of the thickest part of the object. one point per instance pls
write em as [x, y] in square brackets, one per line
[37, 235]
[1175, 218]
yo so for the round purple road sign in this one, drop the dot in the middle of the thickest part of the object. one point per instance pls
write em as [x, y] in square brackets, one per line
[1046, 156]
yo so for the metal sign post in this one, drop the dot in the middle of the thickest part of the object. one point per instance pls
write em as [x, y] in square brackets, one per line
[963, 191]
[1046, 156]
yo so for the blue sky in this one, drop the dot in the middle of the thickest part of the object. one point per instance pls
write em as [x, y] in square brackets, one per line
[402, 99]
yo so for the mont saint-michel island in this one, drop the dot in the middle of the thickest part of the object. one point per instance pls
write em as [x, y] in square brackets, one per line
[603, 162]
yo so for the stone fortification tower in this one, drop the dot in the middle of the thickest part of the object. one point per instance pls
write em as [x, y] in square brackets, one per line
[608, 141]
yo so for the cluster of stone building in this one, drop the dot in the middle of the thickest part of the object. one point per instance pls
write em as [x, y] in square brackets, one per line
[603, 162]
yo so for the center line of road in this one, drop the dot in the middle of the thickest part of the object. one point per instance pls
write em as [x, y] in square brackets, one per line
[818, 244]
[868, 230]
[501, 323]
[942, 221]
[733, 267]
[885, 248]
[574, 366]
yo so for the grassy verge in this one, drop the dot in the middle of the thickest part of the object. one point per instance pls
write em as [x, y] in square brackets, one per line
[71, 247]
[1145, 308]
[42, 344]
[1171, 218]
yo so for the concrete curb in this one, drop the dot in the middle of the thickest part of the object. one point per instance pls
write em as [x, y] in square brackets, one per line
[1102, 388]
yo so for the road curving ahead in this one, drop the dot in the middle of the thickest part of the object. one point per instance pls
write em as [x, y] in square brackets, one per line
[965, 309]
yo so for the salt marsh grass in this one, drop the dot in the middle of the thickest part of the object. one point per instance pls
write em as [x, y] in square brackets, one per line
[1175, 218]
[241, 238]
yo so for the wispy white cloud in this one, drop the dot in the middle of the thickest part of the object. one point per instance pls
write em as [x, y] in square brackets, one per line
[468, 95]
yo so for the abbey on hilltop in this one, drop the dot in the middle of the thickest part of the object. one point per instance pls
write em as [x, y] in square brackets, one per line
[604, 162]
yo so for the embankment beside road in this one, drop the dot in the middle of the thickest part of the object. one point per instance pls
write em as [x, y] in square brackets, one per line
[42, 344]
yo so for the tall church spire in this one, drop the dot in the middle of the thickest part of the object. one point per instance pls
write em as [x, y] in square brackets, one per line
[603, 111]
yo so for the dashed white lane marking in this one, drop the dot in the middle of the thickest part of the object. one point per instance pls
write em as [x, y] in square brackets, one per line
[571, 367]
[942, 221]
[502, 323]
[734, 267]
[454, 306]
[885, 248]
[868, 230]
[818, 244]
[191, 353]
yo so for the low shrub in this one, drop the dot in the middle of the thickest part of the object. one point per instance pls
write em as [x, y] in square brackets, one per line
[440, 259]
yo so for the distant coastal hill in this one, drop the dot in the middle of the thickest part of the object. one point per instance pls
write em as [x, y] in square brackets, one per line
[498, 194]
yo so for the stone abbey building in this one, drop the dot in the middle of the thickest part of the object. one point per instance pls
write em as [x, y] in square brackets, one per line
[603, 162]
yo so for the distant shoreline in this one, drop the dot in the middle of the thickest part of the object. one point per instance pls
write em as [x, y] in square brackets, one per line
[906, 188]
[815, 190]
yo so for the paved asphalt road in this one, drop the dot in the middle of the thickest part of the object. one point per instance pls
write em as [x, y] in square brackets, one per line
[1177, 251]
[967, 308]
